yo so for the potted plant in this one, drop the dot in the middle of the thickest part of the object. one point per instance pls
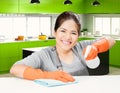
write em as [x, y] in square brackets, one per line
[84, 31]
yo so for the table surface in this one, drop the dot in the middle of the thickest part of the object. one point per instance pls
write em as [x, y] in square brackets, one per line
[35, 48]
[87, 84]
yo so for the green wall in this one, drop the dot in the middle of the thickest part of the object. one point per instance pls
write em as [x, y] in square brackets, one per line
[57, 6]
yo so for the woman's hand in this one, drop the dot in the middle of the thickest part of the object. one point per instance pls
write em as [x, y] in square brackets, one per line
[90, 52]
[32, 74]
[99, 46]
[59, 75]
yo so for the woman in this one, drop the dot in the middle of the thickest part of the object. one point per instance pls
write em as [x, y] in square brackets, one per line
[64, 60]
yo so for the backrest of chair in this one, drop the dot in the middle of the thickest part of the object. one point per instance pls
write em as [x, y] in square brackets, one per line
[103, 68]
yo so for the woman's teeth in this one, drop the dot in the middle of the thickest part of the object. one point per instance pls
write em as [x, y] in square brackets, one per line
[66, 42]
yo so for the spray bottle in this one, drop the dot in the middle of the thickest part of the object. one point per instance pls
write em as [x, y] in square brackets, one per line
[93, 63]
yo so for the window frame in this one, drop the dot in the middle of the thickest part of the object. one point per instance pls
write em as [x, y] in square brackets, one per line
[14, 27]
[111, 26]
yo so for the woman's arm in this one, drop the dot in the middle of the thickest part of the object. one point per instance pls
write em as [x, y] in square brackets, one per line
[100, 45]
[18, 70]
[30, 73]
[111, 41]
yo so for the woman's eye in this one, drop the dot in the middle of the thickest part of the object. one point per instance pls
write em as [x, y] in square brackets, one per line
[62, 30]
[74, 33]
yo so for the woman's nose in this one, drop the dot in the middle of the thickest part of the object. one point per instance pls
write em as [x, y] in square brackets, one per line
[68, 36]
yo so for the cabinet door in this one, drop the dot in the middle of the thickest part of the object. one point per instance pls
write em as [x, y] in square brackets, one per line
[28, 44]
[6, 63]
[8, 6]
[8, 50]
[115, 55]
[9, 54]
[4, 67]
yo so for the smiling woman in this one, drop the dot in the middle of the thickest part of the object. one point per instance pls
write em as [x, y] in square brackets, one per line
[65, 59]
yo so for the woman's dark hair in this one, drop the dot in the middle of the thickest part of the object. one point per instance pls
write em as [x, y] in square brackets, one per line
[67, 16]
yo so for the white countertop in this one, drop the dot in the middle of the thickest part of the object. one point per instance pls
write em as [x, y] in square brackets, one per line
[12, 40]
[35, 48]
[87, 84]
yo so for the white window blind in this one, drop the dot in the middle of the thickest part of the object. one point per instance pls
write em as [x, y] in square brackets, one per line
[107, 25]
[6, 27]
[45, 25]
[32, 26]
[12, 26]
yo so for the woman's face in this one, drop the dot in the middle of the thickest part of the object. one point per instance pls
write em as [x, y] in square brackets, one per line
[66, 35]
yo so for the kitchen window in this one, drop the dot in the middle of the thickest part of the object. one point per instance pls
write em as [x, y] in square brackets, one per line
[13, 25]
[38, 25]
[106, 26]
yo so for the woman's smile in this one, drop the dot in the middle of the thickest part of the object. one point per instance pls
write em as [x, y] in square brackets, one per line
[66, 42]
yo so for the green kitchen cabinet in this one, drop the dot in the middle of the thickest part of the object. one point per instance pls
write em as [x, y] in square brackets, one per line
[50, 6]
[106, 6]
[6, 63]
[9, 6]
[115, 54]
[12, 52]
[8, 55]
[57, 6]
[78, 6]
[8, 50]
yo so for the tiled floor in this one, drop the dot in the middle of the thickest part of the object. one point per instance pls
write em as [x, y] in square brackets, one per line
[113, 71]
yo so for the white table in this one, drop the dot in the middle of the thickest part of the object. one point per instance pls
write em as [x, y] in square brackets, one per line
[35, 48]
[87, 84]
